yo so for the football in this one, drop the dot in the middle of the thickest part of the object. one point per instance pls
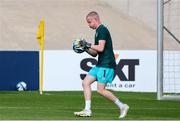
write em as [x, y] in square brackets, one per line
[21, 86]
[77, 47]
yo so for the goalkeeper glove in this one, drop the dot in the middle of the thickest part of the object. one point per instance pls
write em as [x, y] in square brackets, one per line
[85, 44]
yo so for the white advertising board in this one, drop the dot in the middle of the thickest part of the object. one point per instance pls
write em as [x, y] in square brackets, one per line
[136, 70]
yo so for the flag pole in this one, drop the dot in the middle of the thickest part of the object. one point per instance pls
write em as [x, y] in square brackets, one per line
[40, 37]
[41, 69]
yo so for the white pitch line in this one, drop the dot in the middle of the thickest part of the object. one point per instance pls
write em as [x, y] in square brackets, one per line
[67, 108]
[15, 107]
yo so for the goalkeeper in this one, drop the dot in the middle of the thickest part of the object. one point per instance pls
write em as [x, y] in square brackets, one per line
[103, 72]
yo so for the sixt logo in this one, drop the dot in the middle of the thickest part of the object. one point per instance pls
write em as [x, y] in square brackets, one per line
[129, 63]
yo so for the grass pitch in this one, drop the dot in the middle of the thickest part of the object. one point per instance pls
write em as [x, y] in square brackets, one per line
[61, 105]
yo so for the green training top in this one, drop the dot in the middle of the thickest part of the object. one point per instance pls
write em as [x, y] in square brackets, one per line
[105, 58]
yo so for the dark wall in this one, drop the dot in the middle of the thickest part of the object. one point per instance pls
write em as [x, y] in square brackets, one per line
[16, 66]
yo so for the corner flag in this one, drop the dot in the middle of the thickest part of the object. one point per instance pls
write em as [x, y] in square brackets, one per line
[40, 34]
[40, 38]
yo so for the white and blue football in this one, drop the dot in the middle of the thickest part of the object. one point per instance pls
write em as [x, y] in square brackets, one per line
[21, 86]
[77, 47]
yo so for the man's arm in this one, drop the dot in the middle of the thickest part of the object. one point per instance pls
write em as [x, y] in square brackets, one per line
[93, 49]
[99, 47]
[91, 52]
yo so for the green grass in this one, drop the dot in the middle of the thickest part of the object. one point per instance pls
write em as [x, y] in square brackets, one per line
[61, 105]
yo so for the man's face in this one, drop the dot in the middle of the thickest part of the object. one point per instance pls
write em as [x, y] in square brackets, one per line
[91, 22]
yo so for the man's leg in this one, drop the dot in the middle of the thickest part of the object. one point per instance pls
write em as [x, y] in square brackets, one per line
[107, 94]
[88, 80]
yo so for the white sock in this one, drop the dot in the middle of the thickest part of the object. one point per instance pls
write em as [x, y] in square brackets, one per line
[88, 105]
[119, 103]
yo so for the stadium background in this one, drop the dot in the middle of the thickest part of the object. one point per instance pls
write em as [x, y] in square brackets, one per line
[132, 24]
[130, 21]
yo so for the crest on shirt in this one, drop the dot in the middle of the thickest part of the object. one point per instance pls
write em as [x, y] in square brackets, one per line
[96, 34]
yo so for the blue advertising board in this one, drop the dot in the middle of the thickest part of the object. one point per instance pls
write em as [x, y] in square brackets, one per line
[17, 66]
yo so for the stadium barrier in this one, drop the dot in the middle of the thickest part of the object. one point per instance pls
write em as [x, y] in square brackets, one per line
[16, 66]
[64, 70]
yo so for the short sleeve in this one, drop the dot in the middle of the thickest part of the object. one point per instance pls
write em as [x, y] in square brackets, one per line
[102, 34]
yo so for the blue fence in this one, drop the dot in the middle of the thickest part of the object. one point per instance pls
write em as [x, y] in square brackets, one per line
[16, 66]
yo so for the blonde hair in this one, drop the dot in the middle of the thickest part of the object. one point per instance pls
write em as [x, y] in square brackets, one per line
[93, 14]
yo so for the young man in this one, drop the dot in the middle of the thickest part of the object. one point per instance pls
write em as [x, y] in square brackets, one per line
[103, 72]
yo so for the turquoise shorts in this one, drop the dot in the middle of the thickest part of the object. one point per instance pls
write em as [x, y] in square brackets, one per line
[102, 75]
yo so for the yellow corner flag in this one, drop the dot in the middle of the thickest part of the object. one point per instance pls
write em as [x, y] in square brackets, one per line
[40, 38]
[40, 34]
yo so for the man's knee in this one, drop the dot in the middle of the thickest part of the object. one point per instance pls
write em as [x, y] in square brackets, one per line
[88, 80]
[85, 83]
